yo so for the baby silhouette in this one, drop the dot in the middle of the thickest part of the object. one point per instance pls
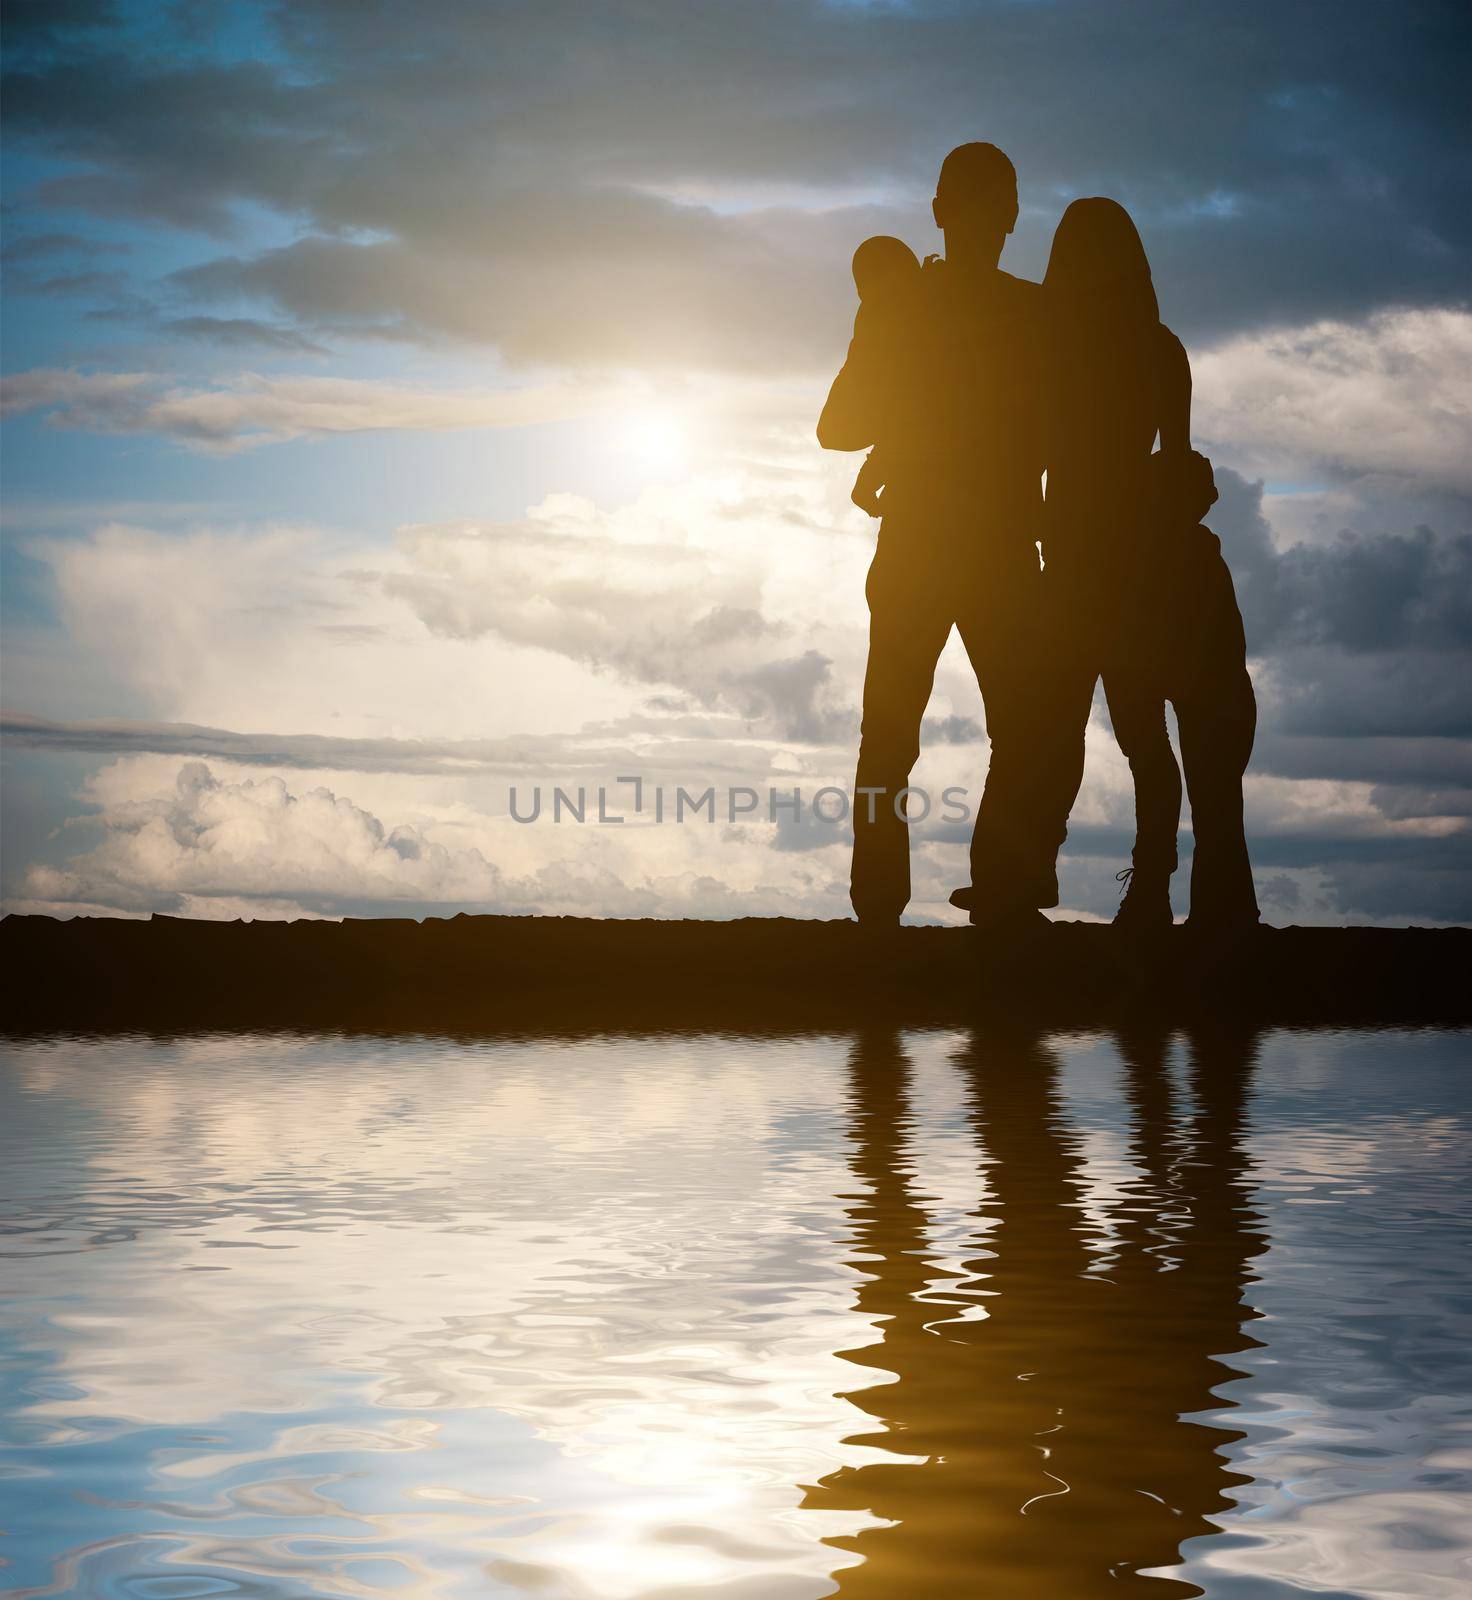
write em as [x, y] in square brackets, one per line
[887, 276]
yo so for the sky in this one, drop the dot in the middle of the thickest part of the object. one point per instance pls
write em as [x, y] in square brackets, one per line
[403, 404]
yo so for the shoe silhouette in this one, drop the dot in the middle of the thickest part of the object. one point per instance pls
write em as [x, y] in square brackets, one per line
[1145, 906]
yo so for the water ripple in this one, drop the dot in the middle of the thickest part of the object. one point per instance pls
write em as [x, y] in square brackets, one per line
[766, 1319]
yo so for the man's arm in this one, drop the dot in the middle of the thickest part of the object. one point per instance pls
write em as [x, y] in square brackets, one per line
[850, 418]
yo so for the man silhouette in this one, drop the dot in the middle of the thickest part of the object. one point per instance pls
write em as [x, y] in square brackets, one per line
[949, 389]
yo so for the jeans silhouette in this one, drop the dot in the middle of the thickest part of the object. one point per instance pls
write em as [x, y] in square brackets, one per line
[920, 586]
[1175, 635]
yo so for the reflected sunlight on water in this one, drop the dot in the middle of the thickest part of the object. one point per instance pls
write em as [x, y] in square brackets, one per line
[887, 1315]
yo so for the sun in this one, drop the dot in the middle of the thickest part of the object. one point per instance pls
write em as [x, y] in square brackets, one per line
[656, 437]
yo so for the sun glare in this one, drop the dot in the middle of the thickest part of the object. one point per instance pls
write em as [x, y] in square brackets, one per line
[656, 438]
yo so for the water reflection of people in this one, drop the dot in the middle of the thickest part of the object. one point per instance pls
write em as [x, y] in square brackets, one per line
[1033, 1432]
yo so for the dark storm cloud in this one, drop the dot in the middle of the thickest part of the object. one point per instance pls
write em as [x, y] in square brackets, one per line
[1402, 802]
[1367, 635]
[1356, 592]
[1362, 650]
[38, 26]
[1413, 877]
[536, 175]
[1405, 693]
[1361, 593]
[1384, 760]
[1426, 878]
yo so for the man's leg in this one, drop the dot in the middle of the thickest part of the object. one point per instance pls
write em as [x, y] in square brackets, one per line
[909, 622]
[1037, 706]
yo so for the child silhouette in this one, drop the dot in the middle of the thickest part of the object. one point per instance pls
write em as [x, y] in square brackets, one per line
[887, 276]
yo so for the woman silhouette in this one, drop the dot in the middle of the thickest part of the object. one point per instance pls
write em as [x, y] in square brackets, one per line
[1139, 592]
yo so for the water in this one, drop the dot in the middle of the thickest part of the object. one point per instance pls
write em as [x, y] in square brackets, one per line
[891, 1315]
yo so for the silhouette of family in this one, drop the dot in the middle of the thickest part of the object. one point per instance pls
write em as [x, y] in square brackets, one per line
[967, 386]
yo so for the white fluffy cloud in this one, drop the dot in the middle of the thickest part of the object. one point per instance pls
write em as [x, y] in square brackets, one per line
[1390, 395]
[183, 839]
[256, 840]
[694, 589]
[713, 594]
[282, 629]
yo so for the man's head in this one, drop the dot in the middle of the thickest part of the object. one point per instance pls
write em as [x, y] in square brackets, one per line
[975, 203]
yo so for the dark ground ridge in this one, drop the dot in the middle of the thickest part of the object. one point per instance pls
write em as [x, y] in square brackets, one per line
[485, 975]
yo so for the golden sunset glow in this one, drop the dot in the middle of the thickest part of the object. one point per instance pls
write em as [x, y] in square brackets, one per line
[736, 843]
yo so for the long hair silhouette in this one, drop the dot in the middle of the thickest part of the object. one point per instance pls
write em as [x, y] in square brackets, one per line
[1098, 264]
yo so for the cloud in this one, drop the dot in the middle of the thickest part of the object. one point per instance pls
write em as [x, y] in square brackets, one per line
[37, 24]
[204, 846]
[39, 246]
[1388, 395]
[596, 752]
[1399, 694]
[712, 597]
[1367, 758]
[1396, 879]
[699, 634]
[667, 196]
[240, 845]
[232, 627]
[112, 393]
[1365, 635]
[643, 592]
[242, 331]
[1361, 593]
[595, 279]
[1319, 832]
[255, 839]
[119, 736]
[250, 410]
[706, 594]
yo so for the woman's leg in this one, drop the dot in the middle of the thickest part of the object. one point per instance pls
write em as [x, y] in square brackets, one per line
[1137, 712]
[1218, 721]
[1217, 713]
